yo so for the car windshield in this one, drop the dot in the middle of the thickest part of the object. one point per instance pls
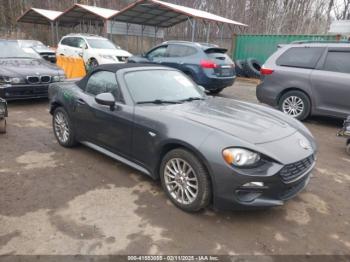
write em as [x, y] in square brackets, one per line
[101, 44]
[30, 43]
[161, 86]
[11, 49]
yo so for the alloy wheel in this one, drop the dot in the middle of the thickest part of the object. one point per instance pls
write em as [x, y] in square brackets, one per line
[293, 106]
[181, 181]
[61, 127]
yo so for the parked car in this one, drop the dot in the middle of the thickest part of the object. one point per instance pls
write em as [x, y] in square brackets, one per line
[208, 65]
[95, 50]
[25, 75]
[3, 115]
[345, 132]
[30, 46]
[203, 149]
[308, 79]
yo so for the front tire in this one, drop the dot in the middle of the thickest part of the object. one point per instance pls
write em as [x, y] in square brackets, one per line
[3, 126]
[93, 63]
[295, 104]
[63, 128]
[185, 180]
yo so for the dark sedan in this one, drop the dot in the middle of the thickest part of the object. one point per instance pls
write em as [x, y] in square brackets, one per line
[157, 120]
[24, 75]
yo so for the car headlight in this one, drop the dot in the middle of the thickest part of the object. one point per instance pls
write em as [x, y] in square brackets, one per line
[10, 80]
[58, 78]
[109, 57]
[240, 157]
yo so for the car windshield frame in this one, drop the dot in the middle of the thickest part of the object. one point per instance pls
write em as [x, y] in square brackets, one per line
[16, 51]
[92, 43]
[198, 93]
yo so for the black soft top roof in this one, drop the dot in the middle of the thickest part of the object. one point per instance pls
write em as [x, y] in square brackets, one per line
[111, 68]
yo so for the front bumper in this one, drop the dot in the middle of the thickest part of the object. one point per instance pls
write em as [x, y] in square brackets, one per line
[231, 194]
[267, 95]
[17, 92]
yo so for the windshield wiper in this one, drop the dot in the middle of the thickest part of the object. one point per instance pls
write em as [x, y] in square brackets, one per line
[190, 99]
[159, 102]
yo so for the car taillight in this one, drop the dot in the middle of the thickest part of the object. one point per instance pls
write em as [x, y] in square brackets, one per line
[208, 64]
[266, 71]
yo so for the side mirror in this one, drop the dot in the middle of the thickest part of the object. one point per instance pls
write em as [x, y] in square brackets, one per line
[106, 99]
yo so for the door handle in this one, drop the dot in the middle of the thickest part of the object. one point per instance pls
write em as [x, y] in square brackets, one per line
[81, 102]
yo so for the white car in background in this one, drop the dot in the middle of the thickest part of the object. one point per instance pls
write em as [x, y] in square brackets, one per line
[95, 50]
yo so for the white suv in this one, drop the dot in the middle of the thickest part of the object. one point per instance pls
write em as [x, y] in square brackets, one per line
[95, 50]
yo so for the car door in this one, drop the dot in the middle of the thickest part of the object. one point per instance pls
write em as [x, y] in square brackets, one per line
[331, 83]
[98, 124]
[157, 55]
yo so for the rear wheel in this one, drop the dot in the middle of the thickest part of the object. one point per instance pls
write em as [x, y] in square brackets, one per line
[348, 147]
[3, 126]
[63, 128]
[185, 180]
[295, 104]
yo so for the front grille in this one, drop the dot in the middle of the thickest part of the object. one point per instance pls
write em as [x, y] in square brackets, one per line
[293, 172]
[33, 79]
[45, 79]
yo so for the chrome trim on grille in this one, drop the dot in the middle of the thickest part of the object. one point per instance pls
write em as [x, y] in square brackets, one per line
[45, 79]
[33, 79]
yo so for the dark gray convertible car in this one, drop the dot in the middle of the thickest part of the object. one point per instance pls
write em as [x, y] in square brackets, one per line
[204, 149]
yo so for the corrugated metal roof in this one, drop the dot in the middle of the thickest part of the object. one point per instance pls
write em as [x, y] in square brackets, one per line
[38, 16]
[162, 14]
[79, 12]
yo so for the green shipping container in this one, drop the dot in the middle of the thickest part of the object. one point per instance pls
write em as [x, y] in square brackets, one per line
[261, 47]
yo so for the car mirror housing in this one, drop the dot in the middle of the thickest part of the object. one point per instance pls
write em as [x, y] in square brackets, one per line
[106, 99]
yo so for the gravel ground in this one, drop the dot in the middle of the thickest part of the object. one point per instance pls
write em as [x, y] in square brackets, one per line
[76, 201]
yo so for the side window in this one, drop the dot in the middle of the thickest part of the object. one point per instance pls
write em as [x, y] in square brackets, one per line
[301, 57]
[66, 41]
[180, 51]
[103, 82]
[159, 52]
[337, 61]
[80, 42]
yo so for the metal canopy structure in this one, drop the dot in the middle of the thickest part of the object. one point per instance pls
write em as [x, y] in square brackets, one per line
[39, 16]
[79, 13]
[161, 14]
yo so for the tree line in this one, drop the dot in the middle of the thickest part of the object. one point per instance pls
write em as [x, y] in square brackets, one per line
[262, 16]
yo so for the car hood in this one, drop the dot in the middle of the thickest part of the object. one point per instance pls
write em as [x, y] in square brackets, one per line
[114, 52]
[245, 121]
[26, 67]
[43, 49]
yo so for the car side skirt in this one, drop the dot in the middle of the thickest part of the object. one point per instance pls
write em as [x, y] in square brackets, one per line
[116, 157]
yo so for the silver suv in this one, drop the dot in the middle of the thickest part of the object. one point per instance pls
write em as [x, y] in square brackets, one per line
[306, 79]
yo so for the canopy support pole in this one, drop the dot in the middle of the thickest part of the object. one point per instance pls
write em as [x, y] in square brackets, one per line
[208, 32]
[127, 36]
[57, 32]
[192, 23]
[142, 30]
[52, 34]
[155, 34]
[193, 30]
